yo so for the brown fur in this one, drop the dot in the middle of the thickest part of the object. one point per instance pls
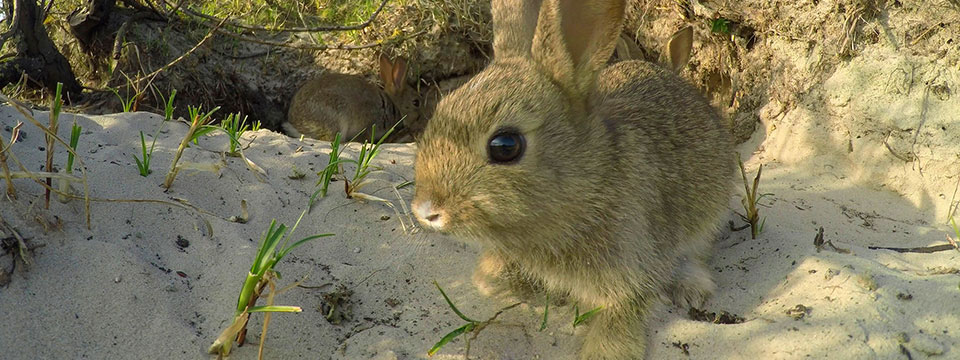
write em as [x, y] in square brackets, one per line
[433, 95]
[349, 104]
[616, 200]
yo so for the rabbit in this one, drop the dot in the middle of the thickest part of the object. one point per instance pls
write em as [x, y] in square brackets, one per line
[428, 103]
[604, 184]
[437, 91]
[677, 51]
[349, 104]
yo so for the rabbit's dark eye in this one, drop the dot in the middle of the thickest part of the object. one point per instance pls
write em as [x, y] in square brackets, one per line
[416, 102]
[506, 147]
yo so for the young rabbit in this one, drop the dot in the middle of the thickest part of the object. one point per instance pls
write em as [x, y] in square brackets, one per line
[436, 92]
[677, 50]
[349, 104]
[603, 184]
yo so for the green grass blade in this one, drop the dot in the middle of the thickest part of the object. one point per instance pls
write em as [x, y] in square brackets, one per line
[246, 292]
[587, 315]
[74, 140]
[546, 312]
[450, 303]
[298, 243]
[267, 247]
[274, 308]
[449, 337]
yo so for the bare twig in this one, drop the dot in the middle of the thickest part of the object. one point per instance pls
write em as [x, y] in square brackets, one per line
[819, 243]
[909, 157]
[11, 191]
[482, 325]
[922, 249]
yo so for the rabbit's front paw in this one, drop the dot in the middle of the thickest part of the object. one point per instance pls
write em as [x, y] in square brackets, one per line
[487, 275]
[498, 277]
[693, 285]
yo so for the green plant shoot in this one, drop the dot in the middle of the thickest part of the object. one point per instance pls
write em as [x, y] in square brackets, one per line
[235, 127]
[168, 105]
[273, 247]
[74, 140]
[198, 126]
[580, 318]
[144, 164]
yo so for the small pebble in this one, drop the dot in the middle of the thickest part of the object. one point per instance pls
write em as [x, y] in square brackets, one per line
[356, 250]
[867, 281]
[831, 273]
[385, 217]
[117, 279]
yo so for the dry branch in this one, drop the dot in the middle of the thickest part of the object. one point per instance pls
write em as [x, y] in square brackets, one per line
[359, 26]
[340, 46]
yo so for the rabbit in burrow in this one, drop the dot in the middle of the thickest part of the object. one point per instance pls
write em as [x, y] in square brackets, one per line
[349, 104]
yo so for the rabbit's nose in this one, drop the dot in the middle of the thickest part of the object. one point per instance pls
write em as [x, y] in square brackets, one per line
[429, 216]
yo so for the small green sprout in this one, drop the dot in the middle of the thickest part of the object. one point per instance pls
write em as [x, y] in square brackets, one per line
[546, 311]
[261, 275]
[751, 199]
[74, 140]
[198, 126]
[168, 105]
[720, 26]
[128, 104]
[235, 127]
[579, 318]
[368, 151]
[144, 164]
[331, 170]
[64, 184]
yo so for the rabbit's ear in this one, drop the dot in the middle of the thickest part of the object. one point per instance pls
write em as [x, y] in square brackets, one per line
[399, 75]
[575, 38]
[679, 48]
[386, 74]
[514, 23]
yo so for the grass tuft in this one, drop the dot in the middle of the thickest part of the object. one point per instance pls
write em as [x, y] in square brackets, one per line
[144, 165]
[368, 151]
[273, 247]
[751, 199]
[234, 126]
[198, 126]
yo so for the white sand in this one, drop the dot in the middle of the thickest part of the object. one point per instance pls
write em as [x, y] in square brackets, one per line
[114, 291]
